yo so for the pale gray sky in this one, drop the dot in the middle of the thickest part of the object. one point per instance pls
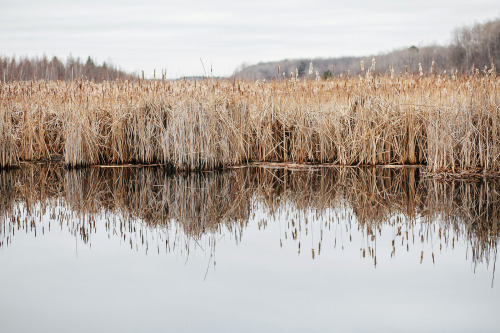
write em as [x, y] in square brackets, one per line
[174, 35]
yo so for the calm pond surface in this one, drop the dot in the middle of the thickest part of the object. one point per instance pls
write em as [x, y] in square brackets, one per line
[246, 250]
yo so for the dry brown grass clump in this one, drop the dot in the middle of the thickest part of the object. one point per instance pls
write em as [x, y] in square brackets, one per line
[447, 122]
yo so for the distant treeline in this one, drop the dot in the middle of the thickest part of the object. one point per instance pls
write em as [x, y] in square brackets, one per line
[24, 68]
[477, 45]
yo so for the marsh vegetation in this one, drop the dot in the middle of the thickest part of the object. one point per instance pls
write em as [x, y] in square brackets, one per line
[445, 121]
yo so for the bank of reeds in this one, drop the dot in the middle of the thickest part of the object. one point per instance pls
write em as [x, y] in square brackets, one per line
[450, 123]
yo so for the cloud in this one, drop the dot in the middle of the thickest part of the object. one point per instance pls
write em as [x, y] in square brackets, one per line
[149, 34]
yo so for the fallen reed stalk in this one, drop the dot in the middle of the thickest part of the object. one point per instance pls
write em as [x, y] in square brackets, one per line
[447, 122]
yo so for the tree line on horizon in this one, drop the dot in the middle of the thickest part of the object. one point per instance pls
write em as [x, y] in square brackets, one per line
[53, 69]
[471, 47]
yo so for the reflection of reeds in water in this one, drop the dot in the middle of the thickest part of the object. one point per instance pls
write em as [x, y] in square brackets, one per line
[201, 202]
[471, 208]
[417, 209]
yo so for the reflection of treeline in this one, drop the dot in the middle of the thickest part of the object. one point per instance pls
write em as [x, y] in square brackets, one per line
[204, 203]
[475, 46]
[25, 68]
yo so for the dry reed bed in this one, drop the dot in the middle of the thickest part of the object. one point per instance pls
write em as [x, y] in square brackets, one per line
[449, 123]
[207, 203]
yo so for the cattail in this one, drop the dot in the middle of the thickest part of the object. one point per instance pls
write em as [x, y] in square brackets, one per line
[432, 67]
[362, 65]
[420, 69]
[310, 68]
[185, 124]
[373, 65]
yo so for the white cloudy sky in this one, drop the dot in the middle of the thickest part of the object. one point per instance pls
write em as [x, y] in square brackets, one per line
[174, 35]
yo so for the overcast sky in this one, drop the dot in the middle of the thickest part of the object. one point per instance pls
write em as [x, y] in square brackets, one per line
[174, 35]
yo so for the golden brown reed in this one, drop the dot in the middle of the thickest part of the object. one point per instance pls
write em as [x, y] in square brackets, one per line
[449, 123]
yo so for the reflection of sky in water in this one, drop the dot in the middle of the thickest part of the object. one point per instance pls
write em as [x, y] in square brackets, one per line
[245, 277]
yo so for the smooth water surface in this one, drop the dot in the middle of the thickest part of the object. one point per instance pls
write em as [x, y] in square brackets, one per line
[251, 249]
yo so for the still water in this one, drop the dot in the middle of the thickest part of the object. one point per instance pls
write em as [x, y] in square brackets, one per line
[246, 250]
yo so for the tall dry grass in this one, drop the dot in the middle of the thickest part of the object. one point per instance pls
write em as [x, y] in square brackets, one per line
[446, 122]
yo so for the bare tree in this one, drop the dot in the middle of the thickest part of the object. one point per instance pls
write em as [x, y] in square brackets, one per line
[24, 68]
[477, 45]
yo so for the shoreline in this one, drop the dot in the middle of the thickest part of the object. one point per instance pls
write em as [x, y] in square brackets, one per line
[462, 175]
